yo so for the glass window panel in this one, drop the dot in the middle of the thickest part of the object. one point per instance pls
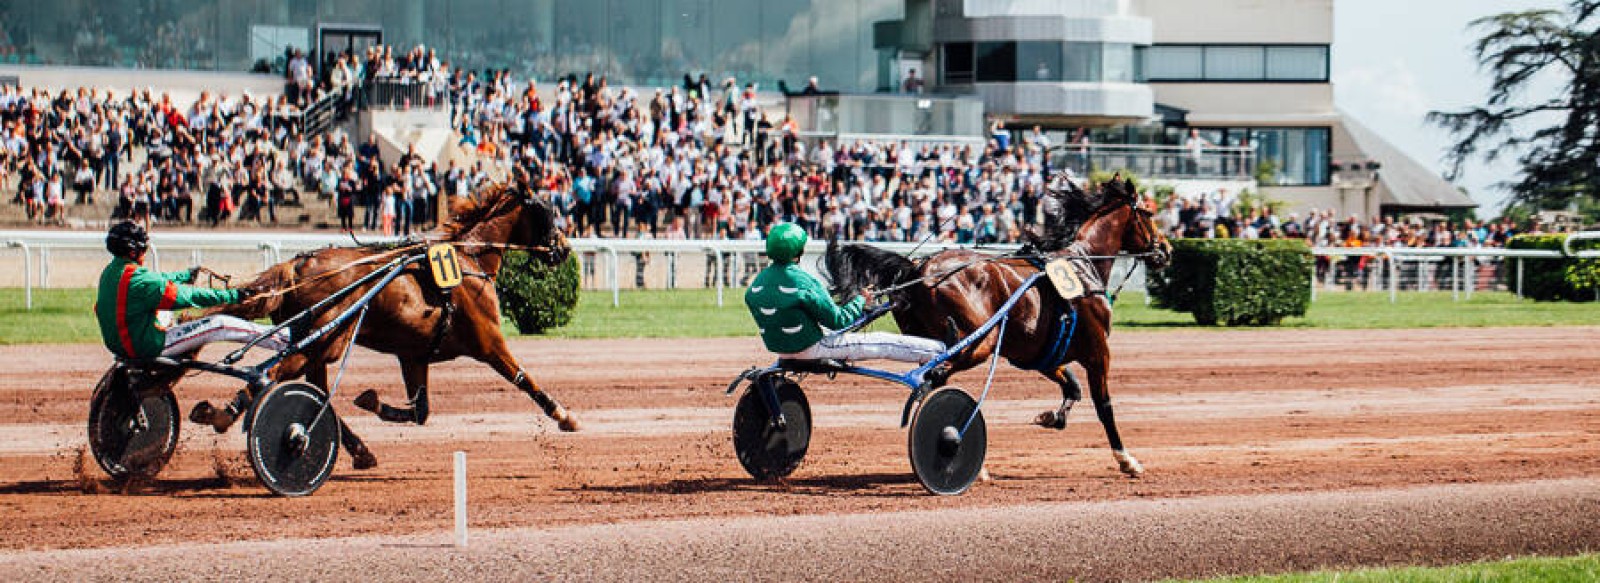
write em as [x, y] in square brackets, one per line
[997, 62]
[1297, 63]
[1039, 61]
[1082, 62]
[1235, 63]
[1299, 156]
[1174, 62]
[958, 66]
[1118, 67]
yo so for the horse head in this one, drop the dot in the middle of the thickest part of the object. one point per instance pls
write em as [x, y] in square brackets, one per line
[537, 227]
[511, 214]
[1140, 235]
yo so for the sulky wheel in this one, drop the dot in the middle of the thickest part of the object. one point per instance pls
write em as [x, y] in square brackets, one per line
[293, 442]
[946, 460]
[771, 448]
[131, 435]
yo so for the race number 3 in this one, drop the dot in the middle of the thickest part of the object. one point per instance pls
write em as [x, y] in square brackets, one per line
[446, 268]
[1064, 275]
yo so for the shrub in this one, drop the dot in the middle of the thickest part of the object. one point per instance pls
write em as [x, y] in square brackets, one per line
[1564, 279]
[1236, 282]
[535, 296]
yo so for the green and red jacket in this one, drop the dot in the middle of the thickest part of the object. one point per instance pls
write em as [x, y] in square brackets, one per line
[129, 298]
[791, 308]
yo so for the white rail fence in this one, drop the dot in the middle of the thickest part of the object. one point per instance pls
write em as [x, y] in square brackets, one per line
[730, 263]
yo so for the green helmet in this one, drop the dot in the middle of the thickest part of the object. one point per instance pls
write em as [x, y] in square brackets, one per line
[785, 242]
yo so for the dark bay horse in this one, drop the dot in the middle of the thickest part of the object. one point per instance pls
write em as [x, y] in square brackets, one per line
[412, 318]
[952, 293]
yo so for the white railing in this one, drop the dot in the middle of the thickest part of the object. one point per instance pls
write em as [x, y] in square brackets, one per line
[1387, 270]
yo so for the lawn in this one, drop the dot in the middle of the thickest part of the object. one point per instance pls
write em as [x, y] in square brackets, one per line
[63, 316]
[1534, 570]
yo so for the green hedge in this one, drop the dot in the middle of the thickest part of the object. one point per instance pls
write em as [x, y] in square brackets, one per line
[1236, 282]
[1566, 279]
[534, 296]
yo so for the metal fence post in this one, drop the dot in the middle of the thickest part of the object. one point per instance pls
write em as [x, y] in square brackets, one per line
[44, 267]
[1519, 278]
[611, 270]
[717, 264]
[155, 259]
[1394, 278]
[1313, 278]
[27, 272]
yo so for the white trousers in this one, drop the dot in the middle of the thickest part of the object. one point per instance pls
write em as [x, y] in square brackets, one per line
[871, 345]
[191, 336]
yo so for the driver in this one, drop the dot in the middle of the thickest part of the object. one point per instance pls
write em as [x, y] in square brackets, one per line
[130, 295]
[792, 309]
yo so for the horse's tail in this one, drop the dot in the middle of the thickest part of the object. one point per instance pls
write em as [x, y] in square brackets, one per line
[855, 266]
[266, 302]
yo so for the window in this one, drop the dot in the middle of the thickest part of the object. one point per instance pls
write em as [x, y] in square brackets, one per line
[958, 63]
[1039, 61]
[1082, 62]
[1296, 156]
[1233, 63]
[1297, 63]
[1119, 63]
[997, 62]
[1174, 62]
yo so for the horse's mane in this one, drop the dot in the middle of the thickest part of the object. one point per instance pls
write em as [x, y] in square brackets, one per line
[853, 267]
[469, 212]
[1065, 208]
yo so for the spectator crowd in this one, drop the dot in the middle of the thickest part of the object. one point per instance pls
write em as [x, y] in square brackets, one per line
[699, 159]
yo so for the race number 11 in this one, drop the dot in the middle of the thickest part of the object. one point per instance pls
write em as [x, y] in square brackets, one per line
[446, 268]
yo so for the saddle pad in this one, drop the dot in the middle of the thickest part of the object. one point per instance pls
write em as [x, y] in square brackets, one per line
[1067, 279]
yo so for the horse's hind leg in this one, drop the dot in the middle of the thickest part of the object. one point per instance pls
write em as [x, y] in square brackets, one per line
[415, 375]
[1071, 393]
[499, 357]
[1100, 393]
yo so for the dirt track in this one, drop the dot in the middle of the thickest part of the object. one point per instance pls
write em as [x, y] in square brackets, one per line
[1244, 435]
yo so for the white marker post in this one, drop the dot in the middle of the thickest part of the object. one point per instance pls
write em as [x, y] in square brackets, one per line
[461, 499]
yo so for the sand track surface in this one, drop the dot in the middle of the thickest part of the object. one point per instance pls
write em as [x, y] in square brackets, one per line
[1265, 450]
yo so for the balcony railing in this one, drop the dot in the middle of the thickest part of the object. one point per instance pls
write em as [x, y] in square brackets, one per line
[1172, 162]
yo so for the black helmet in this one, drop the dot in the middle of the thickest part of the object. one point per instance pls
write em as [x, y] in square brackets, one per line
[127, 239]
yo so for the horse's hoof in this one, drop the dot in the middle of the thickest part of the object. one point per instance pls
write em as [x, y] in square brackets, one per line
[203, 413]
[368, 401]
[363, 460]
[1128, 465]
[566, 420]
[1051, 420]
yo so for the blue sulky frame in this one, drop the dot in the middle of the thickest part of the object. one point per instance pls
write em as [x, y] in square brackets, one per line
[913, 379]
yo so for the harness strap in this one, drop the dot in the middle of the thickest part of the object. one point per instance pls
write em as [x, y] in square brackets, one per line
[442, 328]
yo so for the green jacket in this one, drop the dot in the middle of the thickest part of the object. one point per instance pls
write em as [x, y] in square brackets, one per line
[791, 308]
[129, 298]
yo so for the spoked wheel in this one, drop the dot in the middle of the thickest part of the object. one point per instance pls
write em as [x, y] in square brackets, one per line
[944, 459]
[770, 448]
[131, 435]
[291, 449]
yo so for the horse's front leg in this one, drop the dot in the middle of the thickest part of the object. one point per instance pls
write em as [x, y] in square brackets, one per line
[1098, 371]
[1071, 393]
[498, 356]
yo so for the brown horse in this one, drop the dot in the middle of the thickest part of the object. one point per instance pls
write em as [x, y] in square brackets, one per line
[412, 318]
[953, 293]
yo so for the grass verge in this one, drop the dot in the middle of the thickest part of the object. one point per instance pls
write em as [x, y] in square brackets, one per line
[63, 316]
[1534, 570]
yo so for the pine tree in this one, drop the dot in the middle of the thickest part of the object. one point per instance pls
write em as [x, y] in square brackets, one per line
[1520, 49]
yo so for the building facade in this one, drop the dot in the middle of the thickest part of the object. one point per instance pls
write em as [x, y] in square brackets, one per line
[1203, 93]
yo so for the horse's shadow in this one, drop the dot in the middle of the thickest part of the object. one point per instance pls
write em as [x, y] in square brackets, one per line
[206, 487]
[881, 485]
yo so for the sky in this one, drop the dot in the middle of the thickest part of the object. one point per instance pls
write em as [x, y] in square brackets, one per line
[1396, 60]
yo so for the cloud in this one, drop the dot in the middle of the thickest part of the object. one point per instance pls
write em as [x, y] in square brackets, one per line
[1387, 89]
